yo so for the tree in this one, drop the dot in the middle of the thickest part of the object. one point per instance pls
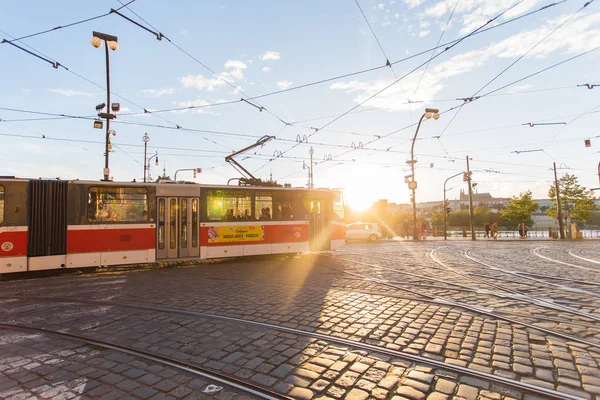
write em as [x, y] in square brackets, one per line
[481, 214]
[519, 208]
[576, 201]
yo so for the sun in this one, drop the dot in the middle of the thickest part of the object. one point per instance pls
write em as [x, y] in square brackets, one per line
[358, 200]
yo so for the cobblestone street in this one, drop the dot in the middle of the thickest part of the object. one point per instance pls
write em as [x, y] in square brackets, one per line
[391, 320]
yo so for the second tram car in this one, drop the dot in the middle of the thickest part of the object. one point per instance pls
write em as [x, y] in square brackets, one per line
[52, 224]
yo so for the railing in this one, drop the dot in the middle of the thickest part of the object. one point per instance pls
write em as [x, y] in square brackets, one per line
[510, 234]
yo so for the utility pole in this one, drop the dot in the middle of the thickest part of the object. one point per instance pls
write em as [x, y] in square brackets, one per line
[472, 222]
[310, 172]
[146, 139]
[558, 207]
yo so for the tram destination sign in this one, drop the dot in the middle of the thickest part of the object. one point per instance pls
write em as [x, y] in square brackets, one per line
[225, 234]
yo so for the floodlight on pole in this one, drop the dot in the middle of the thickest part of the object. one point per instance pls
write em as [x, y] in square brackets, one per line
[110, 42]
[412, 185]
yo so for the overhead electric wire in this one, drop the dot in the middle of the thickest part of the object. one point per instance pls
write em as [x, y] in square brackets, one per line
[477, 98]
[436, 45]
[571, 121]
[365, 70]
[56, 64]
[512, 64]
[219, 76]
[67, 25]
[387, 60]
[408, 73]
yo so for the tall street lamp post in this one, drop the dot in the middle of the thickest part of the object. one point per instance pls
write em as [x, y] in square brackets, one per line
[429, 113]
[445, 205]
[110, 41]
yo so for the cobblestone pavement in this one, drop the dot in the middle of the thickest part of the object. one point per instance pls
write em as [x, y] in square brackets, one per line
[536, 320]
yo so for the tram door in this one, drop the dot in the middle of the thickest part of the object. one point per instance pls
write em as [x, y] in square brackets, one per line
[318, 239]
[177, 228]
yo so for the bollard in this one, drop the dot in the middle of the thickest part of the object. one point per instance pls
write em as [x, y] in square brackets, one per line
[464, 231]
[550, 232]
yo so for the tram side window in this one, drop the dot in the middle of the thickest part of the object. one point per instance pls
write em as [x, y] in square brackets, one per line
[263, 206]
[117, 204]
[278, 207]
[228, 205]
[1, 204]
[338, 205]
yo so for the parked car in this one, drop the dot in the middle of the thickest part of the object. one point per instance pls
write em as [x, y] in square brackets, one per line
[363, 231]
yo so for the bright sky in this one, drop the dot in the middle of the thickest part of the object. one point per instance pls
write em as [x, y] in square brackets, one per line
[261, 47]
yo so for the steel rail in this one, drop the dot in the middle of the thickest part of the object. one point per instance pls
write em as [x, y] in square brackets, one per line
[523, 386]
[561, 262]
[517, 296]
[519, 275]
[480, 310]
[583, 258]
[530, 299]
[215, 376]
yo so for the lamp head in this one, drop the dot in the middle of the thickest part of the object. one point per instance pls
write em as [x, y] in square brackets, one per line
[100, 107]
[156, 163]
[436, 116]
[113, 45]
[115, 107]
[432, 110]
[96, 42]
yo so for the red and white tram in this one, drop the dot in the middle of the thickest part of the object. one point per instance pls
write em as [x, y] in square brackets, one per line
[53, 224]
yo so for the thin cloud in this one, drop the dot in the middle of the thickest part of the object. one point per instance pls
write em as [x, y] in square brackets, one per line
[158, 92]
[270, 55]
[284, 84]
[413, 3]
[70, 92]
[236, 72]
[578, 36]
[267, 69]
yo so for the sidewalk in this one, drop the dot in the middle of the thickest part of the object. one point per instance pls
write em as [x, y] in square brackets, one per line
[501, 239]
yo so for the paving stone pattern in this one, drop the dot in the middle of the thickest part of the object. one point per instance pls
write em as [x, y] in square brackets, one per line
[305, 293]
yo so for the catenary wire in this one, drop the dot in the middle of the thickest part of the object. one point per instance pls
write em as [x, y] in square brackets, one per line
[436, 45]
[219, 76]
[479, 97]
[513, 64]
[405, 75]
[67, 25]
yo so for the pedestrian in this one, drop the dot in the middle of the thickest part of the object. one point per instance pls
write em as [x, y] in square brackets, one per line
[487, 230]
[495, 230]
[521, 230]
[424, 231]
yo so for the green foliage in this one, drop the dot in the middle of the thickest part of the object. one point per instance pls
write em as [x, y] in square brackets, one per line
[437, 219]
[459, 218]
[576, 201]
[519, 208]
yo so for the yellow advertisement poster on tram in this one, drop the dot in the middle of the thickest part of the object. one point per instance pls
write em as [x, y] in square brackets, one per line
[226, 234]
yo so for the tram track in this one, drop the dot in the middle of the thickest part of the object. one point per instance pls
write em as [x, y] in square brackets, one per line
[535, 251]
[515, 294]
[583, 258]
[477, 309]
[520, 274]
[258, 390]
[214, 376]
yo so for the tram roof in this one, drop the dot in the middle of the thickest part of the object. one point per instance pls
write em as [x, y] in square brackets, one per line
[167, 183]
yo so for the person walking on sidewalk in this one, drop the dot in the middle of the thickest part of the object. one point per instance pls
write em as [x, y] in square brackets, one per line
[487, 230]
[495, 230]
